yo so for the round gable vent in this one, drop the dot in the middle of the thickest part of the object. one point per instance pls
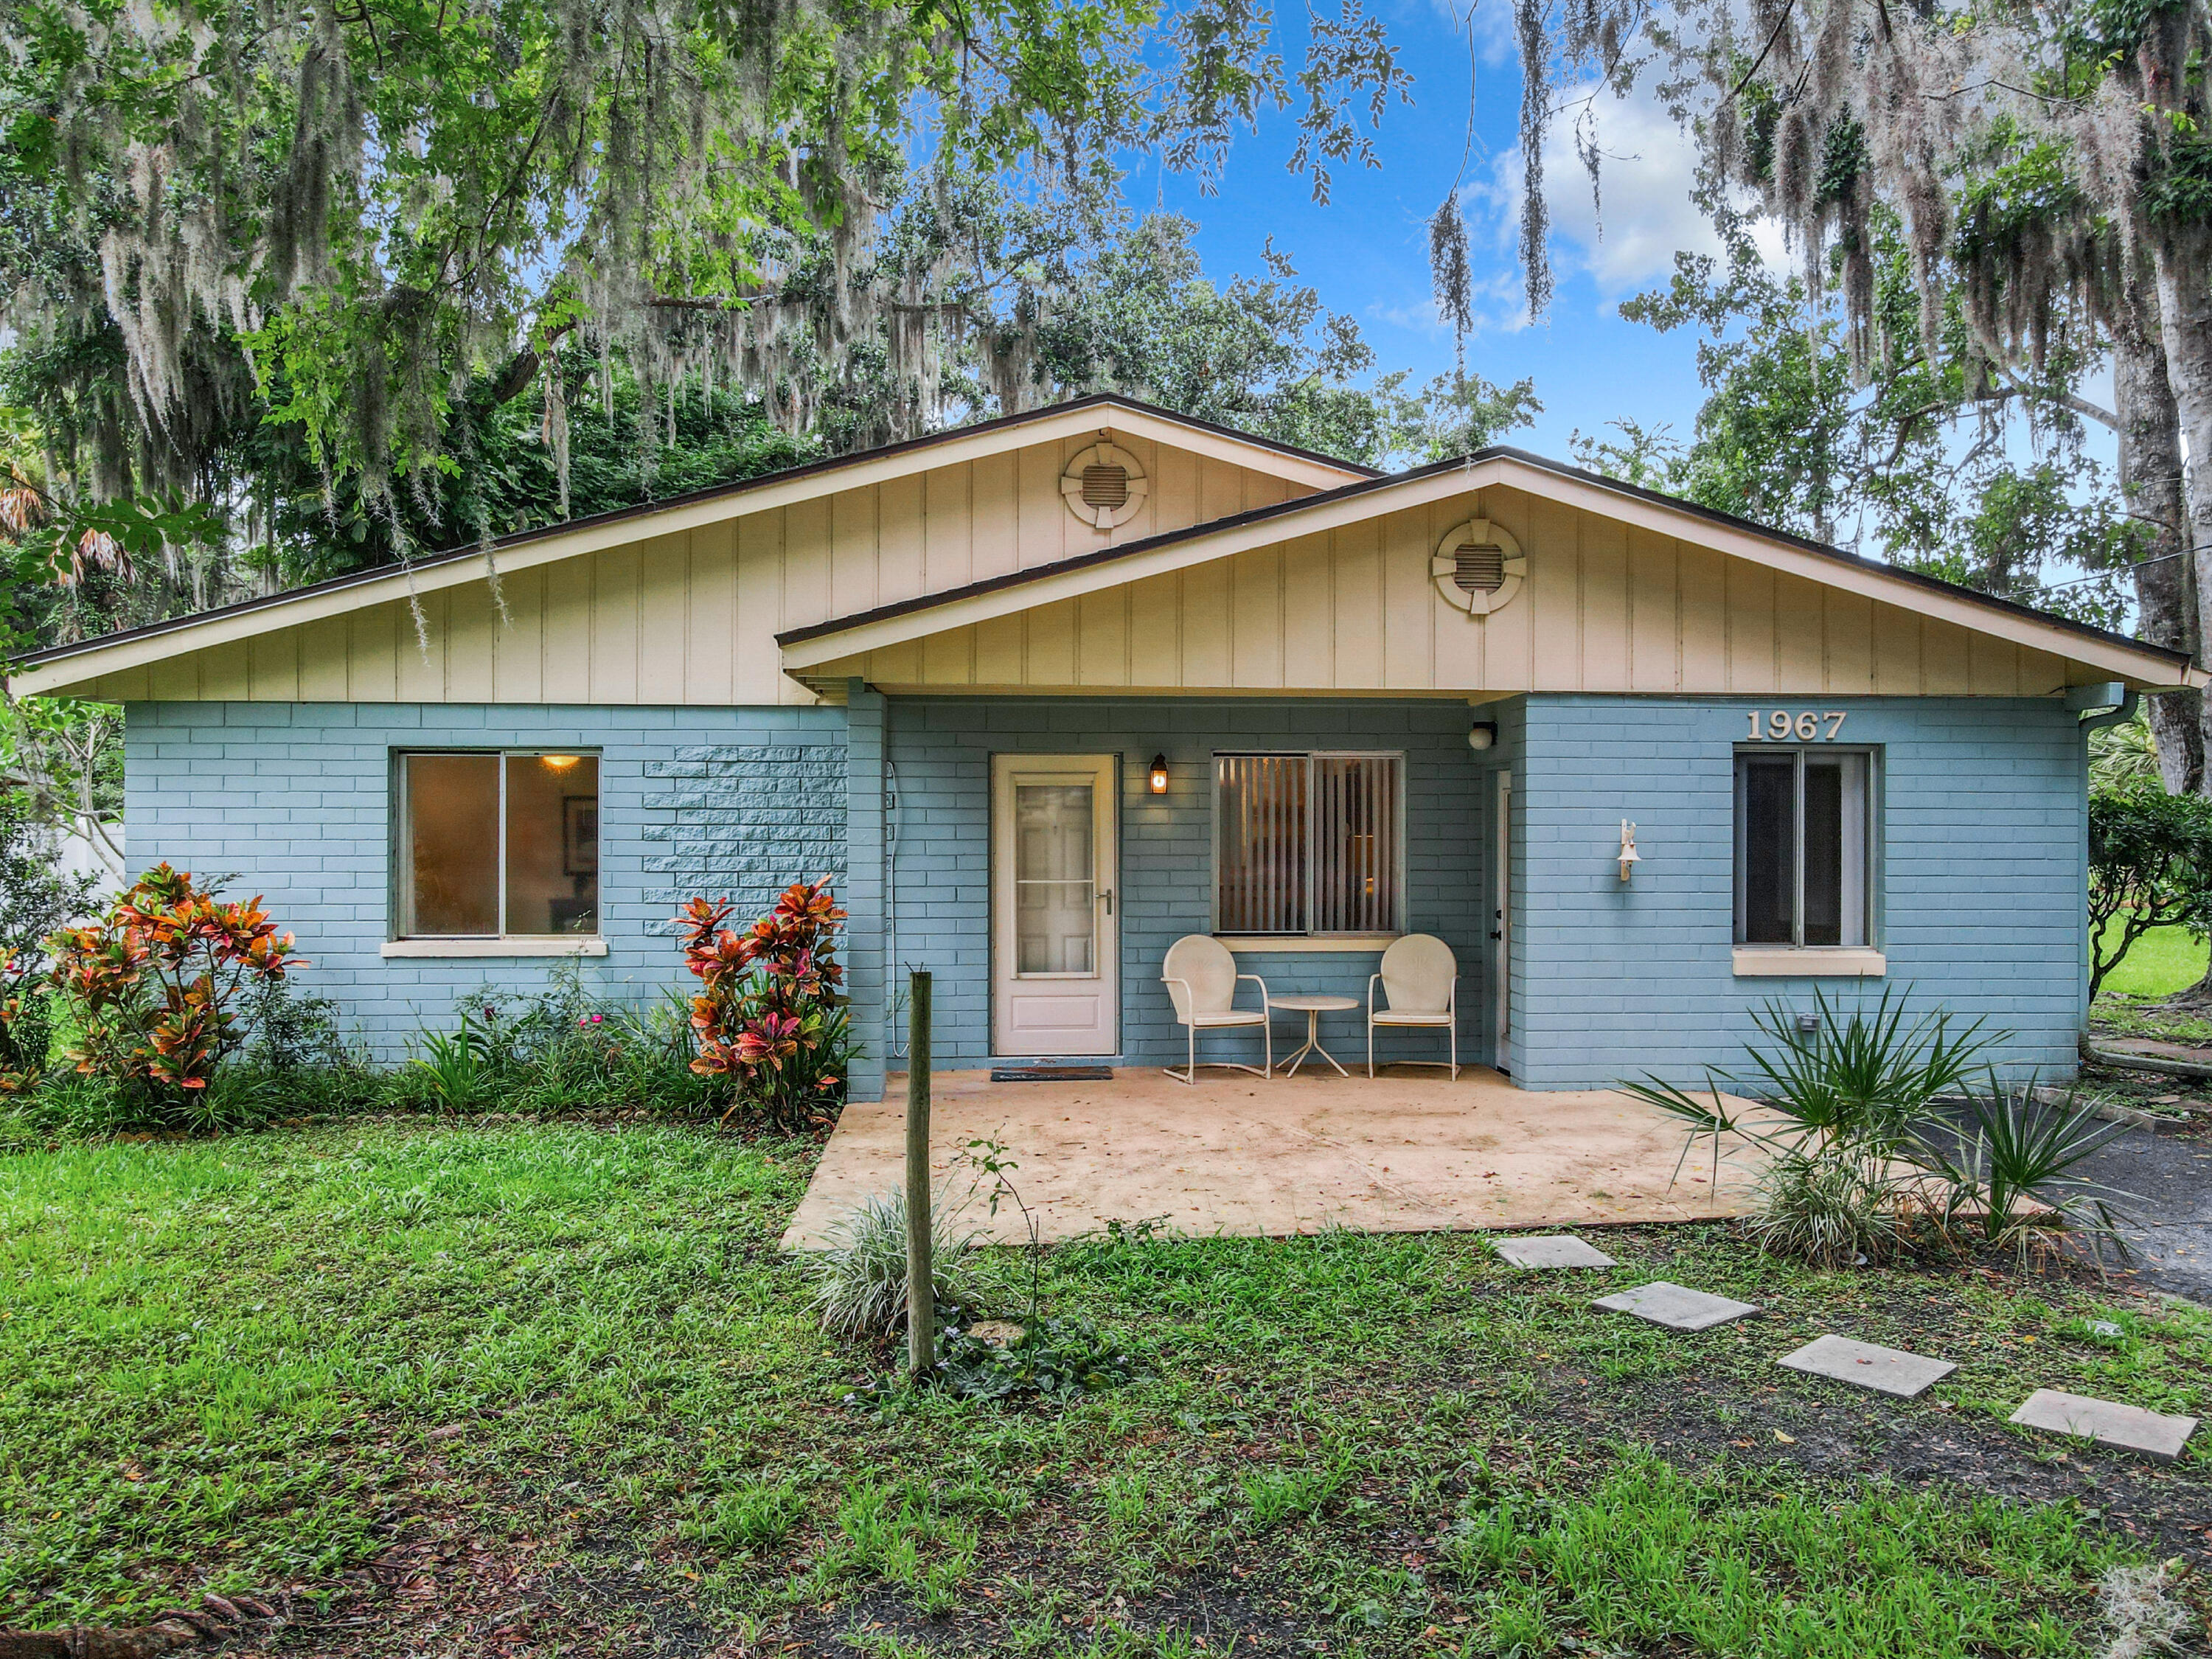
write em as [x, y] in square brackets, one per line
[1478, 567]
[1103, 486]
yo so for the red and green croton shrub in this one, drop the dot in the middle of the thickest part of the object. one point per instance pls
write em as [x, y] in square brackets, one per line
[155, 985]
[770, 1017]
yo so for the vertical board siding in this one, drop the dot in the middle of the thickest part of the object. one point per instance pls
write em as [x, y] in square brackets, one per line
[1603, 609]
[691, 618]
[1978, 881]
[296, 798]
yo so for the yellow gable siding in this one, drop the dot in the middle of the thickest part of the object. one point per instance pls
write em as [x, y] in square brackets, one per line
[1606, 607]
[691, 618]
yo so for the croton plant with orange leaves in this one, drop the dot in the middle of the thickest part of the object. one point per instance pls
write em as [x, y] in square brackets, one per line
[770, 1016]
[155, 984]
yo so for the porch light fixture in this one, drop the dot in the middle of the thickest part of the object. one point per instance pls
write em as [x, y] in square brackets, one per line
[1159, 774]
[1630, 858]
[1482, 735]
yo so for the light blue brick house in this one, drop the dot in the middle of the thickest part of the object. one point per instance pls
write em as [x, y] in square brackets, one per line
[1042, 696]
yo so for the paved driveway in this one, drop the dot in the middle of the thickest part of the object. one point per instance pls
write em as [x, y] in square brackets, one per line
[2167, 1171]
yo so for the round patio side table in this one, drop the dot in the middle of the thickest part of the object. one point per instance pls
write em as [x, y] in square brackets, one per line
[1313, 1007]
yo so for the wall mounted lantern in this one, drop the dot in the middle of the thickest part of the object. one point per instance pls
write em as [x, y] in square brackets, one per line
[1630, 858]
[1482, 735]
[1159, 774]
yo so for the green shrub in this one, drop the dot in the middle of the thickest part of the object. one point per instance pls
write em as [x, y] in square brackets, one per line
[860, 1281]
[1841, 1167]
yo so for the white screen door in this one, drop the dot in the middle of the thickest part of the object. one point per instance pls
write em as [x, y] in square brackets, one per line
[1054, 987]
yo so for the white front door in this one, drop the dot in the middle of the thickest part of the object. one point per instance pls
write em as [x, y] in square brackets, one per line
[1055, 983]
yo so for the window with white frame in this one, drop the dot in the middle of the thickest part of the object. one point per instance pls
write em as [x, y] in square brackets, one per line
[1803, 846]
[498, 843]
[1308, 843]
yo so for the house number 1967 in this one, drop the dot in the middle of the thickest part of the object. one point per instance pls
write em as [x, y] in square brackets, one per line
[1779, 725]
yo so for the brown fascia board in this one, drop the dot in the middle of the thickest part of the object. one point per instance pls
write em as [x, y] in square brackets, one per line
[692, 498]
[1496, 452]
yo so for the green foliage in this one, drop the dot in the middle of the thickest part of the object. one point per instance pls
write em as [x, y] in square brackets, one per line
[1056, 1358]
[162, 989]
[2123, 754]
[2150, 866]
[450, 1071]
[1837, 1136]
[61, 765]
[859, 1280]
[1261, 355]
[2013, 1177]
[1902, 456]
[222, 1361]
[1278, 1495]
[1653, 1558]
[771, 1018]
[753, 1516]
[35, 901]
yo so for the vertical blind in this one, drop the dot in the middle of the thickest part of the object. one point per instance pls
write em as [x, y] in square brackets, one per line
[1306, 843]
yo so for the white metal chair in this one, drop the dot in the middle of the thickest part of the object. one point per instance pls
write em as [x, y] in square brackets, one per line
[1420, 988]
[1201, 977]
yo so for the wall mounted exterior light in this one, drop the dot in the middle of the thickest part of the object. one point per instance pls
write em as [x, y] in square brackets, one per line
[1159, 774]
[1630, 858]
[1482, 735]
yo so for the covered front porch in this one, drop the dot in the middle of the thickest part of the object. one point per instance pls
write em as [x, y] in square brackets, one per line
[1410, 1150]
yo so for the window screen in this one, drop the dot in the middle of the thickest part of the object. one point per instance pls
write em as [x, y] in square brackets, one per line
[1801, 847]
[1307, 843]
[499, 844]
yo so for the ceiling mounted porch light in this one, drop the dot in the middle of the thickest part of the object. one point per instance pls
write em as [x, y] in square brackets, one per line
[1482, 735]
[1104, 486]
[1630, 858]
[1159, 774]
[559, 762]
[1478, 567]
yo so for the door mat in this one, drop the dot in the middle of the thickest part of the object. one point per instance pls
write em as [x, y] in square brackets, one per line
[1052, 1073]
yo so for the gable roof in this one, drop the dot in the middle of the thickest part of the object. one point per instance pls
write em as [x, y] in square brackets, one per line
[82, 661]
[1339, 493]
[837, 638]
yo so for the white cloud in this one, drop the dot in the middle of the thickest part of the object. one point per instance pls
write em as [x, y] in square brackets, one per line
[1643, 215]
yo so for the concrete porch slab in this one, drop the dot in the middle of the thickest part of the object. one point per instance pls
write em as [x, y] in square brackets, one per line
[1407, 1152]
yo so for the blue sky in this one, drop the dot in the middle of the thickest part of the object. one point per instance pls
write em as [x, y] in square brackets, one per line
[1367, 250]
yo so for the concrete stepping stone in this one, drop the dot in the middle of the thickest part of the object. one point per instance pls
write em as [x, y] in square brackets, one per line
[2106, 1422]
[1677, 1307]
[1869, 1365]
[1552, 1250]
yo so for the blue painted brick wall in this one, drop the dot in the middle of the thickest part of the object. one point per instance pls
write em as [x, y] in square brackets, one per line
[296, 799]
[940, 754]
[1979, 884]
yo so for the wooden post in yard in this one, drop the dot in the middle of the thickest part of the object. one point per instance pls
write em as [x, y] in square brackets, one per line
[920, 1278]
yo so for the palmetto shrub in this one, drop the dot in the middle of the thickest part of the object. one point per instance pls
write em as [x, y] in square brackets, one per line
[1842, 1170]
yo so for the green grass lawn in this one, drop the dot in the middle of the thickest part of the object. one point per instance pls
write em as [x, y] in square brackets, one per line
[554, 1382]
[2163, 961]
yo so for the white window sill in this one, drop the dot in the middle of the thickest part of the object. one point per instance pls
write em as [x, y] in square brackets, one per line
[514, 944]
[1824, 962]
[1277, 945]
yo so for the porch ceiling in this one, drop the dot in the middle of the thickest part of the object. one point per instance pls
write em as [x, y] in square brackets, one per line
[1408, 1151]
